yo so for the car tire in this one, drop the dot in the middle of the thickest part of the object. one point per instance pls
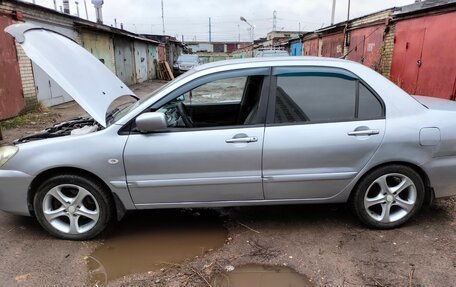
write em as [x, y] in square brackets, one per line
[73, 207]
[388, 196]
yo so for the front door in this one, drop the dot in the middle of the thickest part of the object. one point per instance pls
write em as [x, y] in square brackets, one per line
[200, 160]
[324, 125]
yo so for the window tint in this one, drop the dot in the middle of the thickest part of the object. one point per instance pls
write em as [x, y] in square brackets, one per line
[220, 91]
[369, 106]
[313, 98]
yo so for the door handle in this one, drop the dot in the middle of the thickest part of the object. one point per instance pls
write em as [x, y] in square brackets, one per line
[363, 133]
[242, 140]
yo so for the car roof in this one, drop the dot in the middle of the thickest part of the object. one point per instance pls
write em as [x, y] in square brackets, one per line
[269, 61]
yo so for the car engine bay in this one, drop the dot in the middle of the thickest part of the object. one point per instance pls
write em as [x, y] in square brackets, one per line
[76, 126]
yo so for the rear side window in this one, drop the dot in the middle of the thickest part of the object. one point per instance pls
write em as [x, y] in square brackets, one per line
[323, 97]
[369, 106]
[314, 98]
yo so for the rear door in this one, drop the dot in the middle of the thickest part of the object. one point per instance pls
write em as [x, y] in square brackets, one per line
[324, 125]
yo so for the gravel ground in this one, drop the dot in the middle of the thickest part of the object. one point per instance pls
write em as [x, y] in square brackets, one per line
[325, 242]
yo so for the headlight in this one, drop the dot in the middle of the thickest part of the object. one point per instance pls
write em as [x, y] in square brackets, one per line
[7, 152]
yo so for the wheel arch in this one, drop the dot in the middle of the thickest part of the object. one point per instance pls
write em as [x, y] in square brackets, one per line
[429, 191]
[44, 175]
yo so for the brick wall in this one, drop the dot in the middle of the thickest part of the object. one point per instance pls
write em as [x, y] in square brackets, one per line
[382, 15]
[28, 82]
[387, 51]
[25, 65]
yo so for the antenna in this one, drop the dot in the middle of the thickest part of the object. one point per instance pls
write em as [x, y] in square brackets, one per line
[274, 20]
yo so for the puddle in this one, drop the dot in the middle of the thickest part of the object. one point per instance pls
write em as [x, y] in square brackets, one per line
[255, 275]
[149, 241]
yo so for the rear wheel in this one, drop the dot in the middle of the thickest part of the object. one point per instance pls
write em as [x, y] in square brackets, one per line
[73, 207]
[388, 196]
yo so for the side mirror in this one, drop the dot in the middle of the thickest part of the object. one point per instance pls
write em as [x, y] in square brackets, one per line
[152, 121]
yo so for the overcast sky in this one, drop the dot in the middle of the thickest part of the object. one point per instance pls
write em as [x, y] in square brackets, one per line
[190, 18]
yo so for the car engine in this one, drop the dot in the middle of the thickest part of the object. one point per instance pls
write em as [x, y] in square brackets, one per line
[74, 127]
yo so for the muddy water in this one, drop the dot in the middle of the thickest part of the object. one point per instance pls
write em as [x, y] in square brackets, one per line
[149, 241]
[254, 275]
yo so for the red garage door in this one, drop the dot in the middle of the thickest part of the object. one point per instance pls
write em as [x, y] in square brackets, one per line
[424, 57]
[365, 45]
[11, 98]
[333, 45]
[310, 47]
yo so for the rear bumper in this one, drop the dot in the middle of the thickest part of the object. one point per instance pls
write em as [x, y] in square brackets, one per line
[442, 175]
[14, 187]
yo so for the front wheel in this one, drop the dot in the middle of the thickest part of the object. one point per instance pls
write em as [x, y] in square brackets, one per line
[388, 196]
[73, 207]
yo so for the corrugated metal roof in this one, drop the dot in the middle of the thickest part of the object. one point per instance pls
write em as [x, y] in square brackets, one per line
[424, 5]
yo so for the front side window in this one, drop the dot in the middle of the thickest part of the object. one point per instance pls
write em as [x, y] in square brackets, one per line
[216, 92]
[230, 101]
[323, 97]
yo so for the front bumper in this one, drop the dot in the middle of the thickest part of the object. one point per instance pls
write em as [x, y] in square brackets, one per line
[14, 187]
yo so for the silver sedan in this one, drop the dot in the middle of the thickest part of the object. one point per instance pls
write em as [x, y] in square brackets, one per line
[242, 132]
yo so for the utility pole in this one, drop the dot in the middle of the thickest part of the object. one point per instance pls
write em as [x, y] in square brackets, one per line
[210, 36]
[77, 8]
[333, 12]
[239, 33]
[55, 5]
[348, 13]
[115, 22]
[85, 6]
[163, 17]
[274, 20]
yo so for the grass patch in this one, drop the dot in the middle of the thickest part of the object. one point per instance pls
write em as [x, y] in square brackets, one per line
[15, 122]
[38, 114]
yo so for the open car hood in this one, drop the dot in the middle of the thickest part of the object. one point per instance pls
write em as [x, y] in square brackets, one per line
[88, 81]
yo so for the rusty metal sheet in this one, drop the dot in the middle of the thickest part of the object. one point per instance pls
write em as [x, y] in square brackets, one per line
[152, 58]
[11, 96]
[333, 45]
[230, 47]
[161, 53]
[101, 46]
[407, 52]
[310, 47]
[140, 61]
[424, 58]
[366, 46]
[124, 59]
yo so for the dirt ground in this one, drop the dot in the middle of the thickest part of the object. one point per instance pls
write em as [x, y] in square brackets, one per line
[324, 242]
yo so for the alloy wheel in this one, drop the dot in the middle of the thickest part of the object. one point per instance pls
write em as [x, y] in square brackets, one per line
[390, 198]
[70, 209]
